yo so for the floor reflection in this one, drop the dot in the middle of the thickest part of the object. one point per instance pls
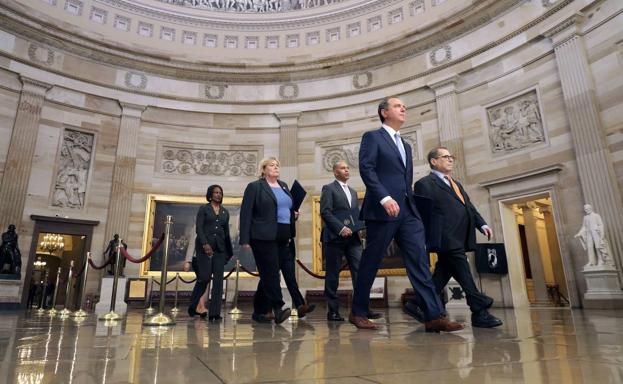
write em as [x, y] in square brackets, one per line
[534, 346]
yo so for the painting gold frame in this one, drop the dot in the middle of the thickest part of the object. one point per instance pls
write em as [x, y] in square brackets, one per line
[148, 231]
[317, 262]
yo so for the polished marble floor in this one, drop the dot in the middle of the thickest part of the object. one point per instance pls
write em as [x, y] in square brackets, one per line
[534, 346]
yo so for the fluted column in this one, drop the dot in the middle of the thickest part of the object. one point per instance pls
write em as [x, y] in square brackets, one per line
[449, 123]
[534, 254]
[288, 140]
[595, 168]
[21, 152]
[123, 174]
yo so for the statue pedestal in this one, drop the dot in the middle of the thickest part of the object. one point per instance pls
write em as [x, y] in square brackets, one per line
[603, 290]
[103, 306]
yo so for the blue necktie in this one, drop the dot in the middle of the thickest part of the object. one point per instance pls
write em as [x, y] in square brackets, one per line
[401, 148]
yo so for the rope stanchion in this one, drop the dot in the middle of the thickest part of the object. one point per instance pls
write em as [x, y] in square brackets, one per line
[147, 255]
[235, 311]
[112, 315]
[254, 274]
[175, 309]
[41, 309]
[161, 319]
[52, 311]
[80, 313]
[150, 310]
[65, 311]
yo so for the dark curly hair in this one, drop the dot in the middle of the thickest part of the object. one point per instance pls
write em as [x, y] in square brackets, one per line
[210, 191]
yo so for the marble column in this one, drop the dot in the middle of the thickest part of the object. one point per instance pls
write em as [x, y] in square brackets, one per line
[123, 173]
[288, 139]
[449, 123]
[21, 152]
[554, 249]
[534, 254]
[594, 160]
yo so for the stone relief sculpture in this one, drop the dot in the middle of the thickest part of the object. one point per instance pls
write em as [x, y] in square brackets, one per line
[593, 239]
[73, 171]
[257, 6]
[216, 162]
[515, 124]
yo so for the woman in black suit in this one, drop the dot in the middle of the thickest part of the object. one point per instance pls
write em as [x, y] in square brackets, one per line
[267, 228]
[213, 247]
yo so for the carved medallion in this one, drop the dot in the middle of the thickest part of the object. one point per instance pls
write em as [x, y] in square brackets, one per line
[41, 55]
[215, 91]
[135, 80]
[440, 55]
[289, 91]
[176, 159]
[362, 80]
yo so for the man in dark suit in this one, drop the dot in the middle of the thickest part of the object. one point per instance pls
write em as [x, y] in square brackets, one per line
[386, 167]
[450, 232]
[339, 208]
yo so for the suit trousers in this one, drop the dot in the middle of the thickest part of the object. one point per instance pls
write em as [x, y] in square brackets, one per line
[454, 264]
[288, 270]
[267, 258]
[408, 231]
[334, 253]
[216, 269]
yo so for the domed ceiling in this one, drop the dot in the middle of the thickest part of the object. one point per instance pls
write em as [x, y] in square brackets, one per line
[253, 39]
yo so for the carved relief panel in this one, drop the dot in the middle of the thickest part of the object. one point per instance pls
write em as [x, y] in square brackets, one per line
[73, 171]
[348, 149]
[196, 160]
[515, 123]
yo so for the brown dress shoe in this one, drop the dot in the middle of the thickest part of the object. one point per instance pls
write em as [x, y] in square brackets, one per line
[304, 309]
[442, 324]
[374, 315]
[362, 322]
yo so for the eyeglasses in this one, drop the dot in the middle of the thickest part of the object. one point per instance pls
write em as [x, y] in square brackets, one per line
[447, 157]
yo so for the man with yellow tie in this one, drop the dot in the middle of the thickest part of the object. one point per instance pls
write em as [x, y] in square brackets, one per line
[450, 232]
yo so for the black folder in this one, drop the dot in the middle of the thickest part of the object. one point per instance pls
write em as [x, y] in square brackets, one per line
[298, 195]
[350, 219]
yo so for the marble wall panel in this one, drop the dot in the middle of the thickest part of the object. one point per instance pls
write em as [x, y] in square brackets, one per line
[8, 108]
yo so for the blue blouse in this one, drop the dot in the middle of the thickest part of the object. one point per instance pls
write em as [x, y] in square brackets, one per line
[284, 205]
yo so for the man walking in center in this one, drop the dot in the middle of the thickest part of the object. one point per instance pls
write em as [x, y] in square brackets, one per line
[450, 232]
[386, 168]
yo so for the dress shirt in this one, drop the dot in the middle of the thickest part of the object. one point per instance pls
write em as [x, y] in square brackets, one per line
[346, 192]
[392, 133]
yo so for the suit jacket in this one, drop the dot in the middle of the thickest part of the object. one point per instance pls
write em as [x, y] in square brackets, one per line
[384, 174]
[451, 224]
[258, 212]
[334, 199]
[211, 229]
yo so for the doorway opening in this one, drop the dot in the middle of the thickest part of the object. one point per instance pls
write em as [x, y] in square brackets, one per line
[538, 249]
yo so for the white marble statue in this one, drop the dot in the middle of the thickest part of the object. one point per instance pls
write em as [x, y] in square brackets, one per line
[593, 239]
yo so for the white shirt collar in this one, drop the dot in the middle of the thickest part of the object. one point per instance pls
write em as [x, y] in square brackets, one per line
[389, 130]
[343, 184]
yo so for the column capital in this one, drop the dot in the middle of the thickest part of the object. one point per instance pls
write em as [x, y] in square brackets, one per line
[566, 29]
[132, 110]
[34, 87]
[288, 119]
[445, 85]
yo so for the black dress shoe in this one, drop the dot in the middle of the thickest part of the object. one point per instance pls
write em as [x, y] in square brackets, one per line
[192, 312]
[374, 315]
[260, 318]
[215, 318]
[281, 315]
[483, 319]
[334, 316]
[414, 311]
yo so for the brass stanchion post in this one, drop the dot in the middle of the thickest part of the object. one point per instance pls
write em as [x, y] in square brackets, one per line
[150, 310]
[65, 311]
[175, 309]
[52, 311]
[41, 309]
[112, 315]
[235, 311]
[81, 312]
[161, 318]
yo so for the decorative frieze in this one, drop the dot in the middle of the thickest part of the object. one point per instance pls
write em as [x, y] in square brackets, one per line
[288, 91]
[215, 91]
[516, 123]
[182, 159]
[348, 150]
[74, 163]
[251, 6]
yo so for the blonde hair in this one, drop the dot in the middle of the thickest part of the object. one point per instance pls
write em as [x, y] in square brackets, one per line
[265, 161]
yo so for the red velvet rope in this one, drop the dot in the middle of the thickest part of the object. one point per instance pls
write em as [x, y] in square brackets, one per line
[147, 255]
[188, 281]
[312, 274]
[168, 282]
[229, 274]
[249, 272]
[109, 261]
